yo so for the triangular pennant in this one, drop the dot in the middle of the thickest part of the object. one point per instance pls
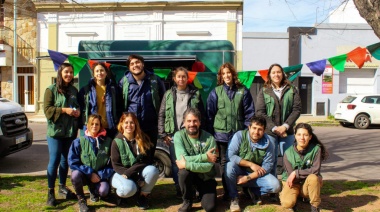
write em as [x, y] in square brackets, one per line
[374, 49]
[192, 76]
[358, 56]
[118, 71]
[207, 81]
[317, 67]
[92, 62]
[338, 62]
[198, 66]
[57, 57]
[293, 71]
[264, 74]
[78, 63]
[246, 77]
[162, 73]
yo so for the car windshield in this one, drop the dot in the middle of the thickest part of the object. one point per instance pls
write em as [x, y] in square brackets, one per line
[348, 99]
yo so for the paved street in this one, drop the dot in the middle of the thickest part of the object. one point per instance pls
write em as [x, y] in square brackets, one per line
[354, 154]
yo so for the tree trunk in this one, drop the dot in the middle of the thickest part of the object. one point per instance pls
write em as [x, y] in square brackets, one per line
[370, 11]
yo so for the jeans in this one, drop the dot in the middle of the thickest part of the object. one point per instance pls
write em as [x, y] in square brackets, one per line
[174, 164]
[266, 184]
[284, 144]
[222, 148]
[126, 187]
[58, 152]
[79, 180]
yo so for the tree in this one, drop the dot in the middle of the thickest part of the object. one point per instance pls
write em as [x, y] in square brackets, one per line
[370, 11]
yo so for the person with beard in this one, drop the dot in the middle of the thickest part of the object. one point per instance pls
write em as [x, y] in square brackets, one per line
[142, 94]
[195, 153]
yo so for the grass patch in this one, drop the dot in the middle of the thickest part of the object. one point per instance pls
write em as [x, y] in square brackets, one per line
[28, 193]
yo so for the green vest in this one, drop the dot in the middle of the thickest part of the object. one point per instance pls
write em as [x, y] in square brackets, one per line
[229, 116]
[205, 142]
[66, 126]
[287, 106]
[246, 153]
[126, 155]
[295, 159]
[153, 90]
[170, 109]
[88, 157]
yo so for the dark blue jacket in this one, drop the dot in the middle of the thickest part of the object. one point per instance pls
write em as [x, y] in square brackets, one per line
[113, 107]
[140, 100]
[75, 162]
[212, 101]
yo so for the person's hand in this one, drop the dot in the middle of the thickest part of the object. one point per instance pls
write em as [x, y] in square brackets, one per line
[167, 140]
[94, 178]
[181, 163]
[76, 113]
[258, 169]
[290, 179]
[280, 131]
[242, 179]
[211, 156]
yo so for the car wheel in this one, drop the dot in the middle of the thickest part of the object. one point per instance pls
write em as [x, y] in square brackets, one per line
[345, 124]
[362, 121]
[162, 162]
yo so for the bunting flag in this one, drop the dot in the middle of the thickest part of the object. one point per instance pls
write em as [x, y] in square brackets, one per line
[293, 71]
[58, 58]
[92, 62]
[338, 62]
[358, 56]
[264, 74]
[374, 49]
[162, 73]
[77, 62]
[317, 67]
[246, 77]
[192, 76]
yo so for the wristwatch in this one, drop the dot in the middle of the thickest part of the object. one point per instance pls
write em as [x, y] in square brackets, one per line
[248, 177]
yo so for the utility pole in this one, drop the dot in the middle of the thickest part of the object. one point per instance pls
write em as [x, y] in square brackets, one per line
[15, 80]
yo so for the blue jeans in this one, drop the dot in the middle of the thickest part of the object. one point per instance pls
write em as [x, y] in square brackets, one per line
[127, 187]
[284, 144]
[58, 152]
[174, 164]
[265, 184]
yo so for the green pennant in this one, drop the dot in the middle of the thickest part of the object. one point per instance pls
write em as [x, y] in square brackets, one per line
[77, 62]
[292, 72]
[208, 81]
[374, 49]
[246, 77]
[338, 62]
[162, 73]
[118, 71]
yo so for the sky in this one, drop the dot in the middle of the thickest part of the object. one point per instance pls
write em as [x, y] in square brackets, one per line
[273, 15]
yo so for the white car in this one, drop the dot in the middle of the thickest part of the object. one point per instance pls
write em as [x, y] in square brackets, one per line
[360, 110]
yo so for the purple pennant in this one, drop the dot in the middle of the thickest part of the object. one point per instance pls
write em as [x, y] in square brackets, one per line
[317, 67]
[58, 58]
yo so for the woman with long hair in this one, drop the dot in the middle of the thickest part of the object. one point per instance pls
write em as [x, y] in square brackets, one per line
[61, 109]
[229, 108]
[89, 160]
[302, 175]
[170, 117]
[101, 96]
[279, 102]
[130, 157]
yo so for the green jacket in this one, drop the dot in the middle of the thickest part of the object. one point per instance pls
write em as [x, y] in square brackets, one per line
[229, 116]
[295, 159]
[88, 156]
[287, 106]
[256, 156]
[65, 126]
[194, 152]
[126, 155]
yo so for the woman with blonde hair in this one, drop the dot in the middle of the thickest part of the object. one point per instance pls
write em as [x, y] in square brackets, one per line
[130, 157]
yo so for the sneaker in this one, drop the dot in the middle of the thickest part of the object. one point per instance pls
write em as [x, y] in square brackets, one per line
[273, 198]
[315, 209]
[246, 193]
[120, 201]
[51, 201]
[142, 202]
[83, 205]
[94, 197]
[256, 199]
[65, 192]
[234, 206]
[186, 206]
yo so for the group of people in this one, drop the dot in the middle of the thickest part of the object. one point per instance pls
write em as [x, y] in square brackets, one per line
[122, 121]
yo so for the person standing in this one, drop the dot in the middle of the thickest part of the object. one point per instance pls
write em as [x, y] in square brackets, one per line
[130, 157]
[60, 108]
[279, 102]
[195, 153]
[142, 94]
[229, 108]
[170, 117]
[100, 96]
[250, 160]
[302, 175]
[89, 160]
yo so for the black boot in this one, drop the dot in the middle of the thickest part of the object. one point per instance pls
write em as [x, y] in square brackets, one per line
[65, 193]
[51, 201]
